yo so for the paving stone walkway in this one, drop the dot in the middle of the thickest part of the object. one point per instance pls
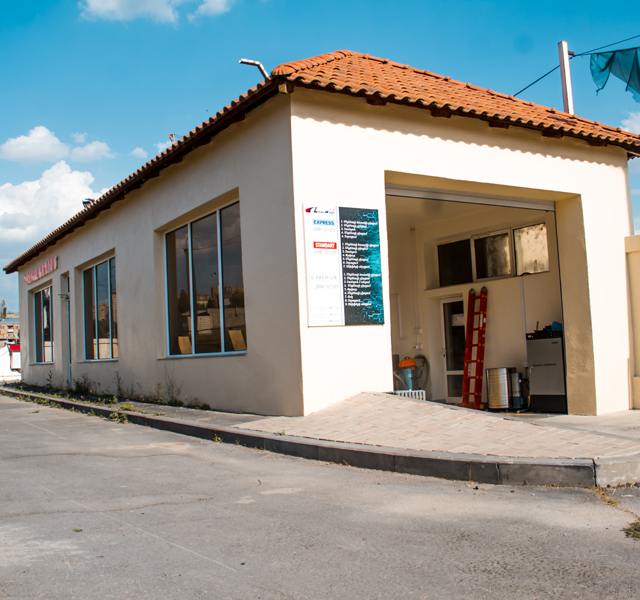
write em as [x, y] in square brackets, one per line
[390, 421]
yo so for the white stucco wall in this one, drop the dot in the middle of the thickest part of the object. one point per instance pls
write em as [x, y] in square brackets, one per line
[344, 148]
[250, 161]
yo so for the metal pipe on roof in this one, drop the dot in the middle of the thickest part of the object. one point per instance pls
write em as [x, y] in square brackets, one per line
[255, 63]
[565, 71]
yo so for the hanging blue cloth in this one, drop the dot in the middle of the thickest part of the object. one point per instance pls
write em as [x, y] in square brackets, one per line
[624, 64]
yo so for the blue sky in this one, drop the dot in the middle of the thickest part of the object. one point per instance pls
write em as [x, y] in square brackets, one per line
[92, 88]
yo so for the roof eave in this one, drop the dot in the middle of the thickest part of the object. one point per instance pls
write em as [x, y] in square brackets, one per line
[174, 154]
[446, 110]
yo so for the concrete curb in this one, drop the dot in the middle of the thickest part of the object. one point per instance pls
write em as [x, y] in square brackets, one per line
[498, 470]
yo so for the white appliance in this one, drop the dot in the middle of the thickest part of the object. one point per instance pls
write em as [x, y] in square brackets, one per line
[546, 373]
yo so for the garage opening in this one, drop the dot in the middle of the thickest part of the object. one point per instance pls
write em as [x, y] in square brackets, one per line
[442, 245]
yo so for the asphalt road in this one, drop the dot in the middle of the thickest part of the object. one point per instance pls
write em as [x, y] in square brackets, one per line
[92, 509]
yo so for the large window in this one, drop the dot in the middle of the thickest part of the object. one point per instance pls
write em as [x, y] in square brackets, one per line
[205, 285]
[497, 254]
[100, 311]
[43, 321]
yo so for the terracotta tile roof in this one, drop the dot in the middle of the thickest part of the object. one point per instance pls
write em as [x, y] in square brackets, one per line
[383, 80]
[379, 81]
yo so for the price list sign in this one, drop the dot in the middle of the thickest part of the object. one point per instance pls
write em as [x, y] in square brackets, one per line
[361, 269]
[344, 278]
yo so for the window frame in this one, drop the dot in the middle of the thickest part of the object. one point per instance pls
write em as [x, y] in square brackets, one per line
[512, 253]
[515, 250]
[93, 269]
[474, 263]
[193, 300]
[40, 329]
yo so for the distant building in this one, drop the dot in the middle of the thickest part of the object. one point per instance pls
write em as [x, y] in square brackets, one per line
[9, 333]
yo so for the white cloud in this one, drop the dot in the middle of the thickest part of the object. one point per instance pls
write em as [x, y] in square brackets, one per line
[79, 138]
[212, 8]
[139, 153]
[632, 122]
[163, 145]
[126, 10]
[31, 209]
[92, 151]
[40, 144]
[164, 11]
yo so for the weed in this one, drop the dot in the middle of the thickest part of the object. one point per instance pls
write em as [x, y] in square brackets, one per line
[49, 385]
[283, 432]
[169, 392]
[82, 385]
[118, 417]
[633, 531]
[126, 407]
[77, 530]
[604, 496]
[216, 438]
[118, 382]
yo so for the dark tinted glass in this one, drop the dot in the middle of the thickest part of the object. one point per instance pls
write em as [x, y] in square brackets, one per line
[204, 250]
[114, 308]
[493, 258]
[454, 263]
[180, 341]
[104, 325]
[47, 326]
[37, 313]
[233, 290]
[454, 332]
[454, 386]
[89, 316]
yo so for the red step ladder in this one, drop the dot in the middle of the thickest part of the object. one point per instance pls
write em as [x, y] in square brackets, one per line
[474, 350]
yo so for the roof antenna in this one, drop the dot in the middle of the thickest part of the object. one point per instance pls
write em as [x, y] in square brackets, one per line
[86, 202]
[255, 63]
[172, 137]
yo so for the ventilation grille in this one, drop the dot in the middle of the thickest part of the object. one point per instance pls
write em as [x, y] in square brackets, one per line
[413, 394]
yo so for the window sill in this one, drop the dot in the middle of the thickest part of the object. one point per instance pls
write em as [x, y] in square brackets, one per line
[209, 355]
[39, 364]
[96, 360]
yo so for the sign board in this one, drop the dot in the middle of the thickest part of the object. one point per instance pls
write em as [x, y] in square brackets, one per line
[344, 276]
[40, 271]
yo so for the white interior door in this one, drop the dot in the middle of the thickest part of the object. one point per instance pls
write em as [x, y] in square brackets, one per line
[453, 332]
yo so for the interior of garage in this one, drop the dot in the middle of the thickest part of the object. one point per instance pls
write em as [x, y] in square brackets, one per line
[438, 251]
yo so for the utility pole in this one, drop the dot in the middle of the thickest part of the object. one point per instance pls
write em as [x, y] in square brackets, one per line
[567, 92]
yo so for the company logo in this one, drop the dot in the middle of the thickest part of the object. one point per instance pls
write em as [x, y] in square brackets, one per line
[326, 245]
[325, 222]
[317, 210]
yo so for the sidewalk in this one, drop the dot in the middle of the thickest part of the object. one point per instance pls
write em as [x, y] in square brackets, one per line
[391, 421]
[382, 431]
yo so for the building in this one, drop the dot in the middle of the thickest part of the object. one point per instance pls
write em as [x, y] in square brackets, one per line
[342, 209]
[9, 332]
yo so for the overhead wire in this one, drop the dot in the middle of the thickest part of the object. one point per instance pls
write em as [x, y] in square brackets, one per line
[574, 56]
